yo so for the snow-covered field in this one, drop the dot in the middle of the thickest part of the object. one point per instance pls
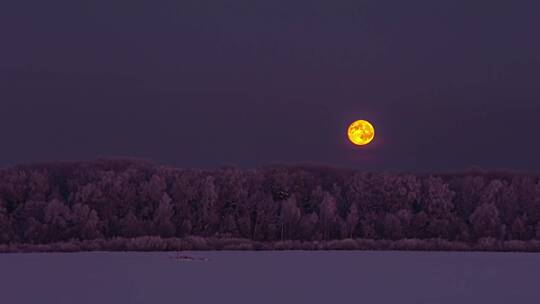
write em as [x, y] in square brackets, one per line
[270, 277]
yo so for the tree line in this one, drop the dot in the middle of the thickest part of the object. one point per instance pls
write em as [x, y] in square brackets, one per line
[123, 198]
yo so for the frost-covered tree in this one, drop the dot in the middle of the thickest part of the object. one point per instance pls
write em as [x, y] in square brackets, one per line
[485, 220]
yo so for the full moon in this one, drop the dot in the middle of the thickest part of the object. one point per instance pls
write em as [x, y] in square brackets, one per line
[361, 132]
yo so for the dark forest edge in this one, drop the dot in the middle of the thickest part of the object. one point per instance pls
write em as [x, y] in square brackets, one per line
[158, 244]
[134, 205]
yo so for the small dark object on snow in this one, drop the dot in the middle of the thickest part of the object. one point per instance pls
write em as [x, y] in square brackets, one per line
[187, 258]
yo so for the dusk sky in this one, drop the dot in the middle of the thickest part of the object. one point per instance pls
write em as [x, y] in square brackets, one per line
[447, 84]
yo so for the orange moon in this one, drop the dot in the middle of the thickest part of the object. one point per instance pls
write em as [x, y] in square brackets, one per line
[361, 132]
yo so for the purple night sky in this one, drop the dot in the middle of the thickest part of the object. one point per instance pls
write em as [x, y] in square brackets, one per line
[447, 84]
